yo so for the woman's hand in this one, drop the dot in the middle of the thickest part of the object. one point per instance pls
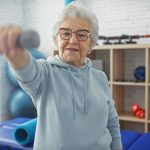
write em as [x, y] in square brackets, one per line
[16, 55]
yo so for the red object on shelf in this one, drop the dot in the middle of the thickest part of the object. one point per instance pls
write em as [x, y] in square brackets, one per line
[138, 111]
[135, 108]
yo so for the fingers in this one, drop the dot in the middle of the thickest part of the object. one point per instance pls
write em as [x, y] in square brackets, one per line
[13, 35]
[8, 38]
[3, 41]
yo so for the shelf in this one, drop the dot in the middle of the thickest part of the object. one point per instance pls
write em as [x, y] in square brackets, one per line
[120, 63]
[126, 95]
[104, 57]
[132, 126]
[122, 46]
[148, 104]
[130, 83]
[127, 116]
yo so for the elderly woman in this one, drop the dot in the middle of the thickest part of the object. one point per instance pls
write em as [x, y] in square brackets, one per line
[73, 101]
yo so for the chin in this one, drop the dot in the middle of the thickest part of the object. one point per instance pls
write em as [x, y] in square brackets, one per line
[70, 61]
[71, 58]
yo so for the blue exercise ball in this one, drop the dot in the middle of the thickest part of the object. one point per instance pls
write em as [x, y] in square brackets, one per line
[20, 104]
[35, 53]
[10, 75]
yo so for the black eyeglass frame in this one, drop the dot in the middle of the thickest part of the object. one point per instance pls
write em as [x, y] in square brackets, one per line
[88, 33]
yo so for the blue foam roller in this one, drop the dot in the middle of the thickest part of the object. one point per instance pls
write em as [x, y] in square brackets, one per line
[128, 138]
[7, 141]
[24, 134]
[143, 143]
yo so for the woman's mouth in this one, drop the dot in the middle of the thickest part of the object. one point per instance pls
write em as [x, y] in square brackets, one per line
[72, 49]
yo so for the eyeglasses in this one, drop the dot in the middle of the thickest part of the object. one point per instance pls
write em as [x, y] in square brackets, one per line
[66, 34]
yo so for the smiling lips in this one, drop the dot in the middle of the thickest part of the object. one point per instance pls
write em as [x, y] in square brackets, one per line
[72, 49]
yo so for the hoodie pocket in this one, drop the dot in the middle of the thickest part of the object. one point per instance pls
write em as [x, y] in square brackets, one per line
[103, 143]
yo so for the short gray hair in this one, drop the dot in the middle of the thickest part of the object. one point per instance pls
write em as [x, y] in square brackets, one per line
[76, 9]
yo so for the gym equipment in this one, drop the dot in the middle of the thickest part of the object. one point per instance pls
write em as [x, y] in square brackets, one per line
[130, 38]
[36, 54]
[138, 111]
[24, 133]
[129, 138]
[143, 143]
[20, 104]
[11, 76]
[29, 39]
[139, 73]
[135, 107]
[7, 140]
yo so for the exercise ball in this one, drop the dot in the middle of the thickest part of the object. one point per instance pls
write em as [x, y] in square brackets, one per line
[20, 104]
[10, 74]
[36, 54]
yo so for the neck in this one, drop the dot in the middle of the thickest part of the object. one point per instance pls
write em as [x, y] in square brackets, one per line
[78, 64]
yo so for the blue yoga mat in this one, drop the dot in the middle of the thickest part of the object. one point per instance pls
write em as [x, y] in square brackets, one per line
[24, 133]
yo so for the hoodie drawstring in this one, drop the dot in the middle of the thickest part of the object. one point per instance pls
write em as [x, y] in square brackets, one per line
[85, 94]
[73, 94]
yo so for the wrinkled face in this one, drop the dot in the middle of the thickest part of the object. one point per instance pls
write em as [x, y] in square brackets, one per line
[74, 50]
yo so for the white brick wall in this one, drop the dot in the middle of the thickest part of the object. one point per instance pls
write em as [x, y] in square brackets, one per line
[11, 12]
[115, 17]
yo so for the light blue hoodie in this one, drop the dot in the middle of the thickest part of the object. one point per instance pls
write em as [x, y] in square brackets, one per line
[74, 106]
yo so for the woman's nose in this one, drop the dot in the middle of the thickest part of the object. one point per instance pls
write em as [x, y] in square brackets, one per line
[73, 39]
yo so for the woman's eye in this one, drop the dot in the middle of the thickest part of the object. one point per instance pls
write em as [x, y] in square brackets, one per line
[67, 34]
[81, 35]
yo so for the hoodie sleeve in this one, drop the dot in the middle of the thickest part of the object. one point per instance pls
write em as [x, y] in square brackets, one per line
[31, 76]
[113, 122]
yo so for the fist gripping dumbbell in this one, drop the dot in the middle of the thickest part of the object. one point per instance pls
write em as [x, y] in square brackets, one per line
[138, 111]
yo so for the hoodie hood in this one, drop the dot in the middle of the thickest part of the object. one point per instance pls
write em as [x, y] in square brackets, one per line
[73, 70]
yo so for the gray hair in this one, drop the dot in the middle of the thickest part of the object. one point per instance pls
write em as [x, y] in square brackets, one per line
[77, 10]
